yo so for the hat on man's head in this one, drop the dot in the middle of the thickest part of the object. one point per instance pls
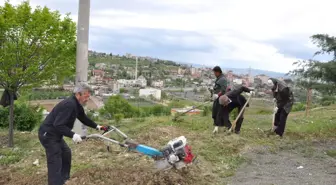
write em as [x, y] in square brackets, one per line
[217, 69]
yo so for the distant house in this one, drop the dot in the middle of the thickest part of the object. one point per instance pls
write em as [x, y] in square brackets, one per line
[141, 81]
[158, 83]
[97, 72]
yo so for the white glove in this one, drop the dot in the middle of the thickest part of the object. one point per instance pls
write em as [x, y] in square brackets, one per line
[274, 100]
[214, 97]
[275, 109]
[77, 138]
[215, 130]
[98, 127]
[252, 93]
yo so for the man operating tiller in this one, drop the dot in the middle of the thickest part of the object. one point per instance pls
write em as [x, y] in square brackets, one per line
[59, 124]
[228, 102]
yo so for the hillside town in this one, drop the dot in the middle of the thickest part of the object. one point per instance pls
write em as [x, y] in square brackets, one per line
[152, 75]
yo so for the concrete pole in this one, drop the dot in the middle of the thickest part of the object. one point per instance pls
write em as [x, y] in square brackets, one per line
[82, 62]
[136, 68]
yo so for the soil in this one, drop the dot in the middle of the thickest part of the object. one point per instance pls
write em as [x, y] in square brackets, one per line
[288, 167]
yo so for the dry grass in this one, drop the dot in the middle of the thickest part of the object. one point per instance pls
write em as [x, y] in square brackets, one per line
[219, 155]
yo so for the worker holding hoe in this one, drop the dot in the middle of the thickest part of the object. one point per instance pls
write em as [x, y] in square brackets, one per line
[218, 90]
[59, 123]
[284, 99]
[228, 102]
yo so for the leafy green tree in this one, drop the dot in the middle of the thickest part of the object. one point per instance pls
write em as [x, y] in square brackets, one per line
[37, 47]
[118, 105]
[318, 75]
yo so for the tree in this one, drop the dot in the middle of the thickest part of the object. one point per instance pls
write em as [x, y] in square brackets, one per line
[313, 74]
[36, 48]
[117, 105]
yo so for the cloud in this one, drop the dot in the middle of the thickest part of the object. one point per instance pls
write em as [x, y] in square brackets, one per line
[263, 34]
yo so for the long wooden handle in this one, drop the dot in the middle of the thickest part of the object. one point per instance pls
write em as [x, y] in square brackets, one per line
[240, 113]
[273, 116]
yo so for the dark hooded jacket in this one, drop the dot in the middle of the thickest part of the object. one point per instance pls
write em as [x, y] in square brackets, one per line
[236, 97]
[283, 95]
[5, 98]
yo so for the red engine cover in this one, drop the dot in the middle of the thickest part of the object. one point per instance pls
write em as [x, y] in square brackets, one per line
[189, 156]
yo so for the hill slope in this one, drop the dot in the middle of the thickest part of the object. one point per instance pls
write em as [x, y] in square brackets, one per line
[307, 143]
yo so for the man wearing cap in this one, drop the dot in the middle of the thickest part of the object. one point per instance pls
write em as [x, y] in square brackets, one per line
[284, 99]
[228, 102]
[218, 90]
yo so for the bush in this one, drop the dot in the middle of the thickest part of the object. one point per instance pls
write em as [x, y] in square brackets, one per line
[118, 105]
[327, 100]
[26, 117]
[298, 107]
[118, 117]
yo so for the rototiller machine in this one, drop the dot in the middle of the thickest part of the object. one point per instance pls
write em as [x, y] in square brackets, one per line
[176, 154]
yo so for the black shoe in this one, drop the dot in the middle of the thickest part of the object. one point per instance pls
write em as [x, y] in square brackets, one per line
[237, 132]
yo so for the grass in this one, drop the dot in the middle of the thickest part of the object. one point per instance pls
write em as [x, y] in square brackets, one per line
[219, 155]
[331, 153]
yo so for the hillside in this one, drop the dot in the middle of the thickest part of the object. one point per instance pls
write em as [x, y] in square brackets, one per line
[166, 64]
[251, 158]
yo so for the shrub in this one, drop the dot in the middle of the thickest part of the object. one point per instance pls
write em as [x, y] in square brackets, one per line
[327, 100]
[118, 117]
[298, 107]
[118, 105]
[26, 117]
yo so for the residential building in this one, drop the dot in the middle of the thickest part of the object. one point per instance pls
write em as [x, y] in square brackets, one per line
[158, 83]
[155, 93]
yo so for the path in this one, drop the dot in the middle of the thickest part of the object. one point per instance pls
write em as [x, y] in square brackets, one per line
[290, 167]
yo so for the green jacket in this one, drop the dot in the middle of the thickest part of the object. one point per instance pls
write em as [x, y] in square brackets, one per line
[220, 85]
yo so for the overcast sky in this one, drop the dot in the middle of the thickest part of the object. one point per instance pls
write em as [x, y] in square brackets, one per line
[263, 34]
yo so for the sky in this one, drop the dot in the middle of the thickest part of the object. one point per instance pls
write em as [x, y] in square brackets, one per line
[261, 34]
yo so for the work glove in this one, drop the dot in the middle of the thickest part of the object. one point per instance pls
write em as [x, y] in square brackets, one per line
[104, 128]
[77, 138]
[214, 97]
[215, 130]
[252, 93]
[275, 109]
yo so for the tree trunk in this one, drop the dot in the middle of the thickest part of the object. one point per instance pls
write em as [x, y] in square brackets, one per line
[11, 120]
[308, 101]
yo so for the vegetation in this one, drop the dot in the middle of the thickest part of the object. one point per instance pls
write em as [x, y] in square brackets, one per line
[26, 117]
[36, 48]
[221, 155]
[44, 94]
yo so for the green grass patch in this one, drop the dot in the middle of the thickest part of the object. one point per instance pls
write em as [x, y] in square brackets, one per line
[331, 153]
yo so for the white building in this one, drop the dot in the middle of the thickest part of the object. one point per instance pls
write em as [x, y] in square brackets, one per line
[156, 93]
[141, 81]
[158, 83]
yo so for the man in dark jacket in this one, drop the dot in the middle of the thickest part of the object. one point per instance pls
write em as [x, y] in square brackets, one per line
[284, 99]
[59, 123]
[219, 89]
[228, 102]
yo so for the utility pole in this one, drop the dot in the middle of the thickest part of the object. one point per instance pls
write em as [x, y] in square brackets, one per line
[136, 68]
[82, 62]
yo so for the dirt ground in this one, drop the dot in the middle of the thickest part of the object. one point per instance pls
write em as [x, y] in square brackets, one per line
[299, 165]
